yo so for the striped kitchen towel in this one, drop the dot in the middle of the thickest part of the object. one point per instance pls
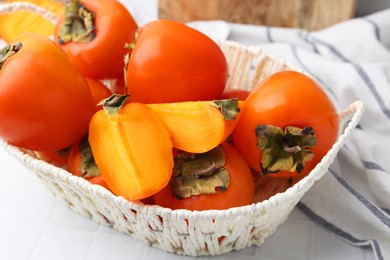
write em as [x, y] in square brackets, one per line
[351, 60]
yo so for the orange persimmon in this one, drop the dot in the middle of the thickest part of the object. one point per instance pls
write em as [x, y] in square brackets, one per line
[268, 186]
[132, 148]
[18, 22]
[199, 126]
[240, 94]
[98, 92]
[57, 158]
[218, 179]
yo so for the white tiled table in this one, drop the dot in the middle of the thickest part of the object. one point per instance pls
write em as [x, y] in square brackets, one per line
[34, 226]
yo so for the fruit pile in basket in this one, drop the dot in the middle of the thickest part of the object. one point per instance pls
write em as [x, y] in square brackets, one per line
[166, 128]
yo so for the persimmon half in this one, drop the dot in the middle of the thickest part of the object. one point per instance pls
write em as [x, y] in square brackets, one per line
[132, 148]
[199, 126]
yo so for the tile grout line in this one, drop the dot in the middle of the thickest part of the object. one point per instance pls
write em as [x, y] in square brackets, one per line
[45, 228]
[97, 233]
[7, 202]
[38, 243]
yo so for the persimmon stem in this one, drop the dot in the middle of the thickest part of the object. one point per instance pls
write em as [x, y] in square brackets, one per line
[229, 107]
[196, 174]
[289, 149]
[79, 23]
[285, 150]
[88, 167]
[8, 51]
[130, 47]
[114, 103]
[126, 60]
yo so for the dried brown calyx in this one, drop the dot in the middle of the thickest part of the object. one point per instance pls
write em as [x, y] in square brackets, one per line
[196, 174]
[79, 24]
[285, 150]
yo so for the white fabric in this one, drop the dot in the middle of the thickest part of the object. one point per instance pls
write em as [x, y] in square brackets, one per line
[351, 60]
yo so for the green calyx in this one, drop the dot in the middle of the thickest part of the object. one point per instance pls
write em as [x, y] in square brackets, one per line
[196, 174]
[286, 150]
[8, 51]
[79, 24]
[229, 107]
[88, 167]
[113, 104]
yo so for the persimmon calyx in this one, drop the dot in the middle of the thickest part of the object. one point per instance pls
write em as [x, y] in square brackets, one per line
[79, 24]
[229, 107]
[286, 150]
[88, 167]
[195, 174]
[130, 47]
[113, 104]
[125, 67]
[8, 51]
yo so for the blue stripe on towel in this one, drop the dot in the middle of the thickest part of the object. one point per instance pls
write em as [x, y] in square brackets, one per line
[339, 232]
[268, 33]
[307, 38]
[369, 165]
[295, 53]
[364, 76]
[372, 87]
[377, 249]
[332, 49]
[376, 27]
[373, 166]
[378, 212]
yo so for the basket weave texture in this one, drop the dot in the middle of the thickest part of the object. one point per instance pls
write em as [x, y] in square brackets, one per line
[184, 232]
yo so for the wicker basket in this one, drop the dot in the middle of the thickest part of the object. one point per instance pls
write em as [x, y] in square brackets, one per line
[185, 232]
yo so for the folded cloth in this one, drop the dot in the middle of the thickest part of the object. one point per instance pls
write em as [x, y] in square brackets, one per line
[351, 61]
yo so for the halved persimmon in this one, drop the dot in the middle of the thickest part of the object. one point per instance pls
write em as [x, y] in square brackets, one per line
[199, 126]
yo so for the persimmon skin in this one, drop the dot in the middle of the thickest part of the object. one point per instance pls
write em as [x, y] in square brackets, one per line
[57, 158]
[44, 99]
[195, 126]
[239, 193]
[240, 94]
[133, 151]
[172, 62]
[98, 91]
[284, 99]
[268, 186]
[102, 58]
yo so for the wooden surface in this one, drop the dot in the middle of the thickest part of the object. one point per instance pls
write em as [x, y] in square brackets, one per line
[307, 14]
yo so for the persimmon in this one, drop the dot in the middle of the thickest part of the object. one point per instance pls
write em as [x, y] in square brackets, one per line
[132, 148]
[218, 179]
[93, 33]
[58, 158]
[240, 94]
[98, 91]
[45, 103]
[199, 126]
[287, 125]
[268, 186]
[15, 23]
[82, 163]
[172, 62]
